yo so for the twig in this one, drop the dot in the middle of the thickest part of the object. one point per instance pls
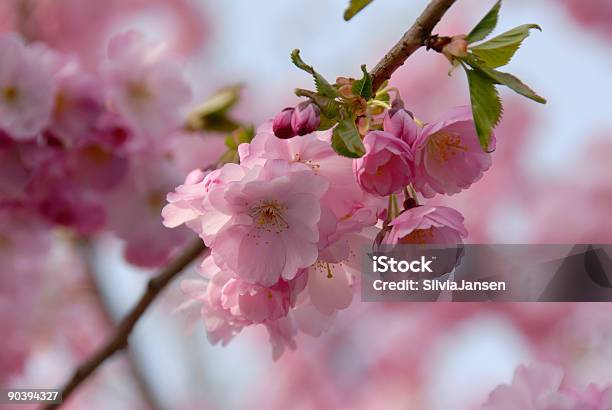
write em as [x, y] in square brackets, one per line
[411, 41]
[84, 248]
[119, 340]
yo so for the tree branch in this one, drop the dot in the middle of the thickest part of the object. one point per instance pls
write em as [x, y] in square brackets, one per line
[119, 341]
[93, 286]
[411, 41]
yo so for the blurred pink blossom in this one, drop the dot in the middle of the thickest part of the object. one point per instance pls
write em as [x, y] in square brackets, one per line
[26, 89]
[145, 88]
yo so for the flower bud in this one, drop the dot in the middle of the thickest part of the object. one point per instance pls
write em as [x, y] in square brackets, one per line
[282, 124]
[306, 118]
[457, 48]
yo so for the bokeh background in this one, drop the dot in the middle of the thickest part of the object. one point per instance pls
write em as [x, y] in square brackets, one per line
[551, 183]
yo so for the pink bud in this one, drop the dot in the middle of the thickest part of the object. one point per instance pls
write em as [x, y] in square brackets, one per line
[282, 124]
[306, 118]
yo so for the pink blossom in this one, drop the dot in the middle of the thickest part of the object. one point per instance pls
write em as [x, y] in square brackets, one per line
[56, 187]
[66, 184]
[228, 303]
[149, 91]
[400, 123]
[138, 221]
[261, 223]
[26, 88]
[533, 388]
[191, 201]
[79, 105]
[427, 225]
[448, 156]
[332, 279]
[386, 166]
[282, 334]
[348, 202]
[272, 228]
[591, 14]
[61, 24]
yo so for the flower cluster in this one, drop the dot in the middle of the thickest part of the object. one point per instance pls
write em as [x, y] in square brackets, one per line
[286, 224]
[283, 228]
[90, 150]
[443, 157]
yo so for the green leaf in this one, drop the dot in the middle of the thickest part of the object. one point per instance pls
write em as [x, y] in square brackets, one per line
[508, 80]
[221, 101]
[486, 105]
[346, 140]
[326, 122]
[322, 85]
[499, 50]
[496, 57]
[212, 115]
[355, 6]
[363, 87]
[230, 143]
[486, 25]
[329, 107]
[239, 136]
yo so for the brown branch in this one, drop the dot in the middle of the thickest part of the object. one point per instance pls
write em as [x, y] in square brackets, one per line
[119, 340]
[96, 293]
[411, 41]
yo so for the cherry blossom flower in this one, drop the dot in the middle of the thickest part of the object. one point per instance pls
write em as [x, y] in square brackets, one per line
[79, 105]
[148, 90]
[191, 201]
[26, 88]
[448, 156]
[386, 167]
[272, 231]
[137, 221]
[228, 303]
[400, 123]
[427, 225]
[350, 205]
[333, 278]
